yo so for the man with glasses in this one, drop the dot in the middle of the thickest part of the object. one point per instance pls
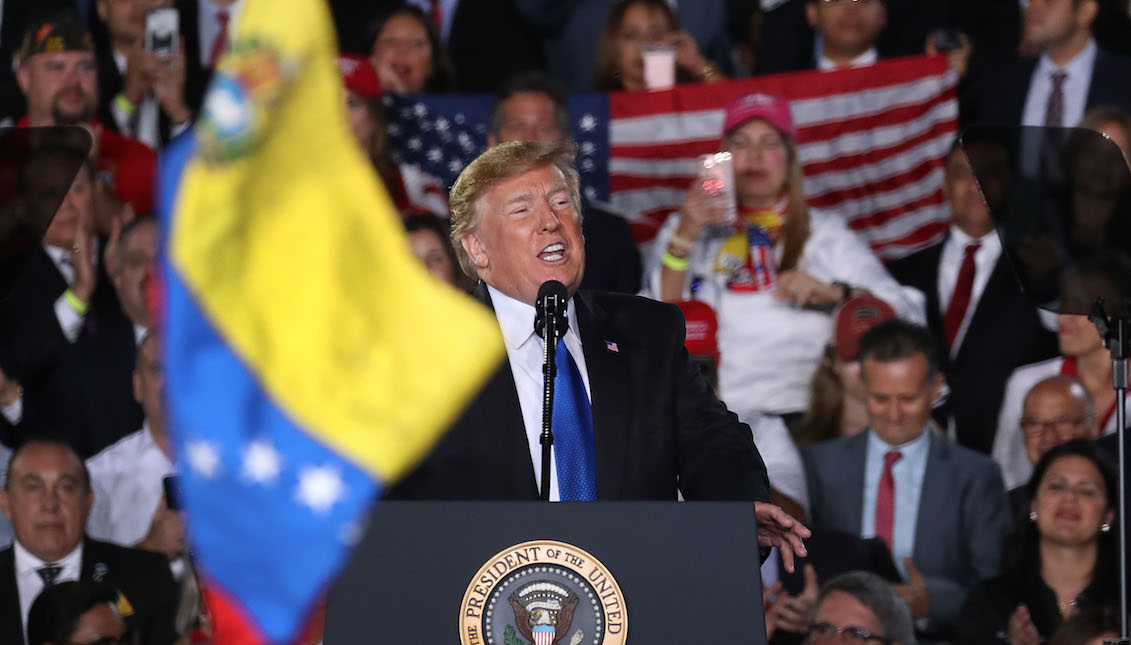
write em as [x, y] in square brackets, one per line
[77, 613]
[859, 608]
[1057, 409]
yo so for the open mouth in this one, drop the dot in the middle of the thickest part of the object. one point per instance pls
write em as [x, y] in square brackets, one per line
[553, 253]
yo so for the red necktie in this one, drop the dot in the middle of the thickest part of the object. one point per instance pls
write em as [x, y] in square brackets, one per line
[960, 300]
[1054, 109]
[885, 499]
[220, 45]
[438, 15]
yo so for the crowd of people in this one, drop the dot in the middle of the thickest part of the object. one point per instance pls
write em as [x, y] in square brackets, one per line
[949, 445]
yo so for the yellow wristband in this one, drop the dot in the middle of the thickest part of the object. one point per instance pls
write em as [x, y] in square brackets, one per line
[674, 263]
[124, 104]
[79, 306]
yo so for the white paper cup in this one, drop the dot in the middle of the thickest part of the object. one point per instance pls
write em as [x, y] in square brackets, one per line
[659, 66]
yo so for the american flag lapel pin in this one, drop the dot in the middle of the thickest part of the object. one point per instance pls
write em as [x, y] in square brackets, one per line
[612, 347]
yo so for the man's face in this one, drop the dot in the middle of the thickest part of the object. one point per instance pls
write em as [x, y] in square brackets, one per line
[528, 116]
[1052, 416]
[61, 88]
[899, 397]
[138, 251]
[98, 623]
[528, 233]
[149, 380]
[961, 190]
[847, 27]
[842, 610]
[77, 210]
[1051, 22]
[47, 500]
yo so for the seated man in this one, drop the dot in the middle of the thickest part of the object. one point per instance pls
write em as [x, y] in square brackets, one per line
[77, 612]
[47, 497]
[859, 607]
[941, 508]
[645, 424]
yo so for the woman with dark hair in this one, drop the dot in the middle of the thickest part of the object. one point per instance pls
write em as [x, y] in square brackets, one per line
[411, 189]
[407, 53]
[1062, 558]
[429, 236]
[634, 23]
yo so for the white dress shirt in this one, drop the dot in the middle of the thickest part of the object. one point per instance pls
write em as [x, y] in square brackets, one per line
[950, 262]
[524, 353]
[908, 474]
[1075, 87]
[128, 482]
[28, 582]
[826, 64]
[69, 320]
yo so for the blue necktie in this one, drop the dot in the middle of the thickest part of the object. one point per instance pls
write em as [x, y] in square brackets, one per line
[574, 454]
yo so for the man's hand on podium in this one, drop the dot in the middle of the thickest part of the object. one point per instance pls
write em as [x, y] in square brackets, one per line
[777, 528]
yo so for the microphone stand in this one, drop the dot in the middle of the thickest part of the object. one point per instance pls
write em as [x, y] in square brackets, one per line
[1116, 332]
[550, 335]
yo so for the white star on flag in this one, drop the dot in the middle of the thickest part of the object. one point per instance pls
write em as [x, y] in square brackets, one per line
[415, 143]
[203, 457]
[394, 129]
[442, 124]
[590, 192]
[455, 165]
[587, 165]
[587, 123]
[260, 462]
[435, 155]
[420, 110]
[587, 148]
[320, 488]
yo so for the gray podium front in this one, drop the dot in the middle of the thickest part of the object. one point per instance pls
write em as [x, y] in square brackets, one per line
[646, 573]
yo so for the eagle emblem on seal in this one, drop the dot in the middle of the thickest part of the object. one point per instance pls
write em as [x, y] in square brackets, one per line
[543, 612]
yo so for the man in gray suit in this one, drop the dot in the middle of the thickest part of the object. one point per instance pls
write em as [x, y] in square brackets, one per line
[940, 508]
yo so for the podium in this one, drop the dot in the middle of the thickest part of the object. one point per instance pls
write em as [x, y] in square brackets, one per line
[511, 572]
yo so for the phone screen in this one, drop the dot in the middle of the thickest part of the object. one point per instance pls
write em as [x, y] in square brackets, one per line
[162, 31]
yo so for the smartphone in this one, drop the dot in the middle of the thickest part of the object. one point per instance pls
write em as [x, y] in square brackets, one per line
[716, 172]
[946, 39]
[172, 493]
[162, 32]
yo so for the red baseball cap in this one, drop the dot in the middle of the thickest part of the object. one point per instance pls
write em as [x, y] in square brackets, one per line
[702, 329]
[854, 318]
[359, 76]
[774, 109]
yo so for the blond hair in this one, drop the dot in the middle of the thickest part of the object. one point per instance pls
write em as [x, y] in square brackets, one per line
[500, 163]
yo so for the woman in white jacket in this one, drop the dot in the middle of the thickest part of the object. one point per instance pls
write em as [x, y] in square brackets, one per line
[773, 275]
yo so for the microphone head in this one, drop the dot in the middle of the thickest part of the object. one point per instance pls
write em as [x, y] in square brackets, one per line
[552, 288]
[551, 308]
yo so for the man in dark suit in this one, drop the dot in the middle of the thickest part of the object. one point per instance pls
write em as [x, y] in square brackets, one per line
[940, 508]
[640, 422]
[532, 107]
[47, 496]
[982, 325]
[1072, 74]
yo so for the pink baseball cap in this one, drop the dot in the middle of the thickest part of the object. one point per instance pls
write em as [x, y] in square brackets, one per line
[359, 76]
[774, 109]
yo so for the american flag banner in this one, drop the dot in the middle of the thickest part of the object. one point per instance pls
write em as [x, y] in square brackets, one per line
[872, 142]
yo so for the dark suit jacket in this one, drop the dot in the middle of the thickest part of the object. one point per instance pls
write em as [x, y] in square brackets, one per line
[1003, 87]
[83, 390]
[656, 423]
[141, 576]
[612, 259]
[1005, 332]
[963, 514]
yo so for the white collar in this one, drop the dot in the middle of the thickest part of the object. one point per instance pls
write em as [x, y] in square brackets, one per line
[1078, 67]
[913, 446]
[870, 57]
[516, 318]
[962, 239]
[27, 563]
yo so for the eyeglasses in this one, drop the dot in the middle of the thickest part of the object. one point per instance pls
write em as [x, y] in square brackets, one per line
[826, 633]
[1062, 424]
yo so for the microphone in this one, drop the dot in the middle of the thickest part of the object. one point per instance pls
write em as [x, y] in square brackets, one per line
[551, 310]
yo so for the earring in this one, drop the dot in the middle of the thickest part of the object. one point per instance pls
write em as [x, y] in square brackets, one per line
[1105, 527]
[1032, 516]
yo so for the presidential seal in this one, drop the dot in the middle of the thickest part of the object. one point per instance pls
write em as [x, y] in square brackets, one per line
[543, 593]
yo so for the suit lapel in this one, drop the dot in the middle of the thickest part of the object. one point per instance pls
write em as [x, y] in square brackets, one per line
[11, 623]
[856, 460]
[502, 414]
[610, 397]
[933, 494]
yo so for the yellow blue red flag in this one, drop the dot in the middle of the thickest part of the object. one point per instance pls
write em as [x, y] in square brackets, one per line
[309, 360]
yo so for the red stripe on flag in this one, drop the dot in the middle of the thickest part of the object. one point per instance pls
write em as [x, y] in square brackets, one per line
[659, 151]
[230, 625]
[877, 155]
[879, 218]
[863, 190]
[917, 239]
[620, 182]
[887, 118]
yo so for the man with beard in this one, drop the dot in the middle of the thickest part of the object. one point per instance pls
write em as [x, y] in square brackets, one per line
[58, 77]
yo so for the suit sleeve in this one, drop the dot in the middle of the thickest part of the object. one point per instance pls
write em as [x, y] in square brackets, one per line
[157, 626]
[985, 521]
[717, 456]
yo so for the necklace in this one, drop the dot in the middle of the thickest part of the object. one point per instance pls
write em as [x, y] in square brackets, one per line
[1065, 606]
